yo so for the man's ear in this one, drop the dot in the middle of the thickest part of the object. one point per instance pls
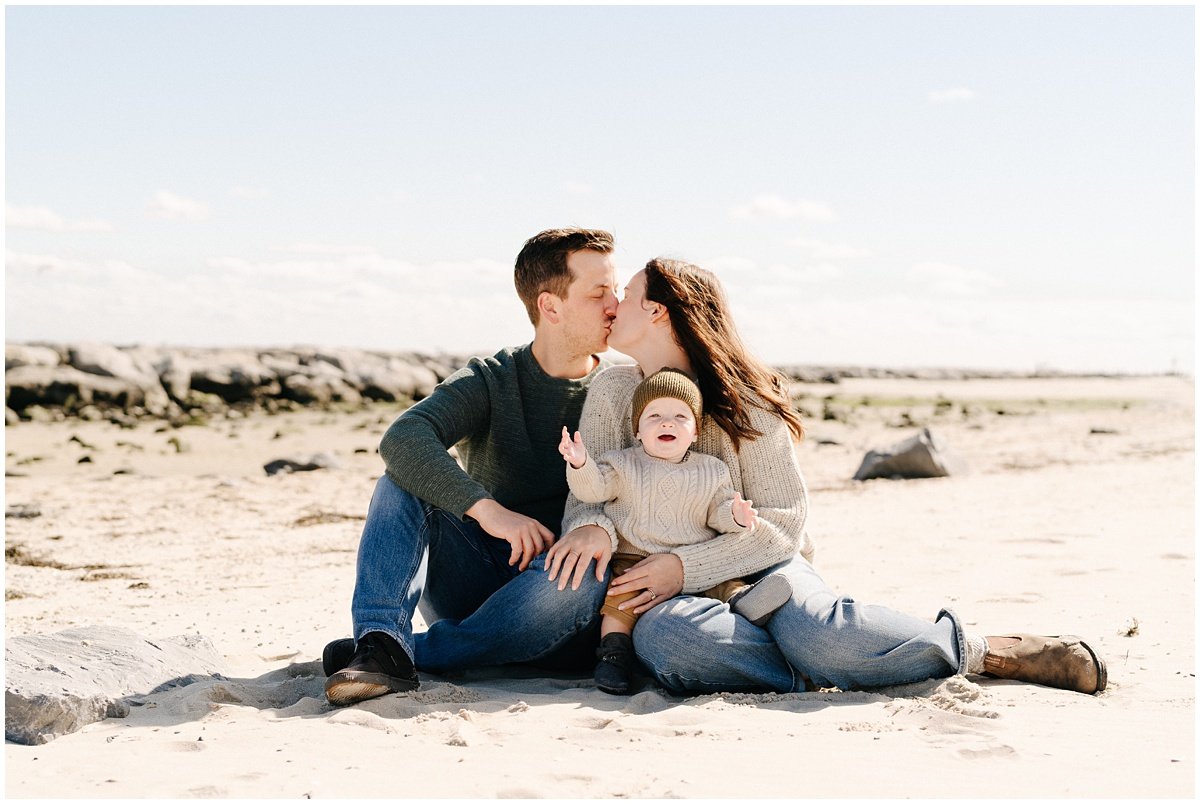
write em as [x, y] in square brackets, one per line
[547, 305]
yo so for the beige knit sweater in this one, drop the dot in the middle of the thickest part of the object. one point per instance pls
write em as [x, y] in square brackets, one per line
[764, 471]
[656, 504]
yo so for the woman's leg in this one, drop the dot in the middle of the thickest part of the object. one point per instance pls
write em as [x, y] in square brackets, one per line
[838, 642]
[696, 645]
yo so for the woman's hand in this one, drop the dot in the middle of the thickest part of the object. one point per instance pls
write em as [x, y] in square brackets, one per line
[573, 552]
[659, 577]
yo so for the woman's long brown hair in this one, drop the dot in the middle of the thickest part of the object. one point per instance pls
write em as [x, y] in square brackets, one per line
[730, 378]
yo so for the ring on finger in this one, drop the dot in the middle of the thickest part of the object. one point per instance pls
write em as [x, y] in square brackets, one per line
[653, 594]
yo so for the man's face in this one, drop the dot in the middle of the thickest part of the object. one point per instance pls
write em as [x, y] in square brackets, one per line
[667, 428]
[591, 302]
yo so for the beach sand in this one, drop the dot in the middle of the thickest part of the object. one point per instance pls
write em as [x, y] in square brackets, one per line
[1077, 516]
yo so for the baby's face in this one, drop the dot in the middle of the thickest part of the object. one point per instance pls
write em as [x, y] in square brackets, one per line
[667, 428]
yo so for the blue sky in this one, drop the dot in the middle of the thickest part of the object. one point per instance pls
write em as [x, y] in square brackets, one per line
[900, 186]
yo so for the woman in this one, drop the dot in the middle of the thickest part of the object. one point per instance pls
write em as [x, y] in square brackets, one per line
[675, 315]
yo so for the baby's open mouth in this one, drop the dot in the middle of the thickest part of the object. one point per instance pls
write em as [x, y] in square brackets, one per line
[666, 437]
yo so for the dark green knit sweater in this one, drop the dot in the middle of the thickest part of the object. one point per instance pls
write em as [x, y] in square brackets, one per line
[506, 415]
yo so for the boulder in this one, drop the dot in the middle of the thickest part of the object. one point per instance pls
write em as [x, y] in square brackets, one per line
[137, 369]
[58, 683]
[64, 386]
[19, 354]
[319, 390]
[11, 417]
[234, 376]
[923, 455]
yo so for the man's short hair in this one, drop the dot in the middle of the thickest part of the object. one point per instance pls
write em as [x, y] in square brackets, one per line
[542, 263]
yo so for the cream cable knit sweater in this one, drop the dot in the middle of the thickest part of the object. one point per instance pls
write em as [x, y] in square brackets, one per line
[655, 504]
[764, 471]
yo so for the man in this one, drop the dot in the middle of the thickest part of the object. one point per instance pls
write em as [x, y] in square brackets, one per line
[466, 543]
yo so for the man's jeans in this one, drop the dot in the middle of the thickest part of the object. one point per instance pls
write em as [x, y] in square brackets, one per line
[697, 645]
[480, 610]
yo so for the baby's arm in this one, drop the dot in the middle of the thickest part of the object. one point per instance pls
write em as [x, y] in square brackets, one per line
[729, 513]
[591, 481]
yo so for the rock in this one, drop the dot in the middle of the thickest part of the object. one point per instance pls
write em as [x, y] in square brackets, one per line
[319, 390]
[109, 361]
[58, 683]
[234, 376]
[923, 455]
[65, 386]
[19, 354]
[11, 417]
[321, 460]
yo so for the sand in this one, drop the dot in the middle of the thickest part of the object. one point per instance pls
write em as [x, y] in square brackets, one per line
[1055, 529]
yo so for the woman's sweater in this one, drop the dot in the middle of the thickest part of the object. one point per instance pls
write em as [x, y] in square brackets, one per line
[654, 504]
[764, 471]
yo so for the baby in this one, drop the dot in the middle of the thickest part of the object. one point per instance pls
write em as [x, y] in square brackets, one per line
[660, 495]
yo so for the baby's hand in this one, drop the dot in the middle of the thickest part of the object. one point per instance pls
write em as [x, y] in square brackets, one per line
[743, 513]
[573, 452]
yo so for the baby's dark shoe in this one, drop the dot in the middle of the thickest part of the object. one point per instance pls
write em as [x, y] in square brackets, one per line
[614, 672]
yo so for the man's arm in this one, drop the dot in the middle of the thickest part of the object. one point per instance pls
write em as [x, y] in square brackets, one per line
[414, 448]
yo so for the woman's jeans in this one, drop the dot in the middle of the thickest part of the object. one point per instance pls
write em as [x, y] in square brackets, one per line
[697, 645]
[481, 611]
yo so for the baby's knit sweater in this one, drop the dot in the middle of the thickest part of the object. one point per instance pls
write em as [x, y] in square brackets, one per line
[656, 504]
[764, 470]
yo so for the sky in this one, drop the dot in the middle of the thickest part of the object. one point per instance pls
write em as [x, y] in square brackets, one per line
[948, 186]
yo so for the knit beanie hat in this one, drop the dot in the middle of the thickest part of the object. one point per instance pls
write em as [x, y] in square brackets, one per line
[666, 382]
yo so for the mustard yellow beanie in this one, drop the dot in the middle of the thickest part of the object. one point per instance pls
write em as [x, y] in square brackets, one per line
[667, 382]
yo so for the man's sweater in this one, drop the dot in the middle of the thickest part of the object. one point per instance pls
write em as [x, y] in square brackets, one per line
[506, 415]
[656, 504]
[763, 470]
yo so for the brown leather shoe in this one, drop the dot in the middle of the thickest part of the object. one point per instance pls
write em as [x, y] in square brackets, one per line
[1065, 662]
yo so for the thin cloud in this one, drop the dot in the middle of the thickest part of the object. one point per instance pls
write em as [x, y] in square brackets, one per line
[325, 249]
[953, 95]
[47, 220]
[821, 250]
[578, 188]
[940, 279]
[249, 193]
[769, 205]
[175, 207]
[19, 264]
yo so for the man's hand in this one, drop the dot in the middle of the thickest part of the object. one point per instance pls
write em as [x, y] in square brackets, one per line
[575, 551]
[743, 512]
[527, 536]
[658, 577]
[573, 452]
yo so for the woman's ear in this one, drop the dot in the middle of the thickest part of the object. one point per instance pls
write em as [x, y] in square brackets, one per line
[658, 313]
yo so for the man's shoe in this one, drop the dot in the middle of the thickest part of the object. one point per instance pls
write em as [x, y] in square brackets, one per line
[759, 601]
[337, 655]
[614, 673]
[379, 666]
[1065, 662]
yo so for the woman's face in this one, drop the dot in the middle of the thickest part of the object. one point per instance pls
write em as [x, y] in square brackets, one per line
[633, 317]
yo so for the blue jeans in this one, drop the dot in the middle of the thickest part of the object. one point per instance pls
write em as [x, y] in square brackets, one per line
[480, 610]
[697, 645]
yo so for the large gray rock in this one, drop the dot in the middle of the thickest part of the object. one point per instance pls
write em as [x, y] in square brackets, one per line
[58, 683]
[66, 386]
[134, 368]
[19, 354]
[923, 455]
[234, 376]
